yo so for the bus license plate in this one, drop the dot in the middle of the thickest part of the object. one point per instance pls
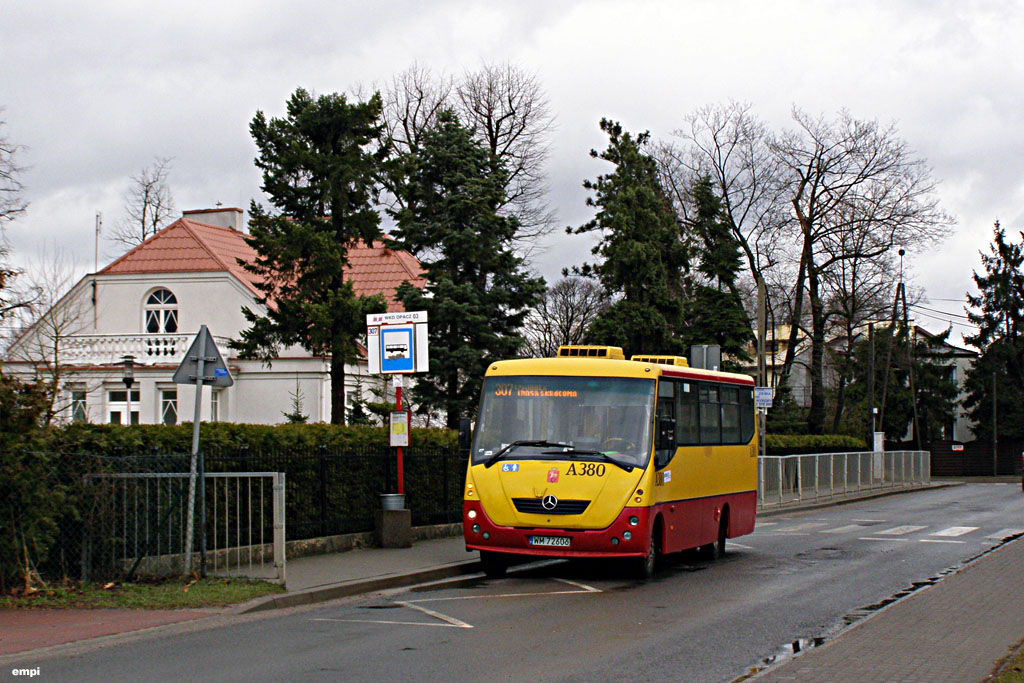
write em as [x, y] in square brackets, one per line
[556, 541]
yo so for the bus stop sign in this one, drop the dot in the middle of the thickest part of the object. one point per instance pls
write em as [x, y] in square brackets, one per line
[763, 397]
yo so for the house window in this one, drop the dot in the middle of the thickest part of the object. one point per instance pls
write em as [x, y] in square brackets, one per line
[161, 312]
[117, 406]
[169, 406]
[78, 407]
[215, 406]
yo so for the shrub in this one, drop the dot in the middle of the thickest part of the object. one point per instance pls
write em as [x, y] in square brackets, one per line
[795, 444]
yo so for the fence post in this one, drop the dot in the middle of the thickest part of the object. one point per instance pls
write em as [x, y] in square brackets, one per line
[202, 514]
[779, 461]
[279, 547]
[817, 477]
[846, 474]
[323, 490]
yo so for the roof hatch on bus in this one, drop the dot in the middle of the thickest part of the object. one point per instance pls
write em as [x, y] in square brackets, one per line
[613, 352]
[677, 361]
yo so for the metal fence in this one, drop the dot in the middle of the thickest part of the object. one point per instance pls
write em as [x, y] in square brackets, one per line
[127, 516]
[787, 479]
[135, 523]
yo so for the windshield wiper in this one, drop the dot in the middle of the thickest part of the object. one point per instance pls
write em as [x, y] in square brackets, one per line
[516, 444]
[581, 451]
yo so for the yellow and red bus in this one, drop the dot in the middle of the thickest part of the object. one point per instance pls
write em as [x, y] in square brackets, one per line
[591, 455]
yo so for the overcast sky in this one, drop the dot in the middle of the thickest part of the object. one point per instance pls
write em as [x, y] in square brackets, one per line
[96, 90]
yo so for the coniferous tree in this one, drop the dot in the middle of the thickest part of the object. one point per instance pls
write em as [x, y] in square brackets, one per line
[477, 293]
[998, 311]
[641, 250]
[319, 167]
[714, 312]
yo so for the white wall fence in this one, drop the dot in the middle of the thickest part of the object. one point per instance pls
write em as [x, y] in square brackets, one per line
[788, 479]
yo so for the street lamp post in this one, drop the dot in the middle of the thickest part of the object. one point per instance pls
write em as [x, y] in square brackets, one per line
[128, 377]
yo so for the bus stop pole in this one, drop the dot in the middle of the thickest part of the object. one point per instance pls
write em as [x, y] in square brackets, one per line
[398, 407]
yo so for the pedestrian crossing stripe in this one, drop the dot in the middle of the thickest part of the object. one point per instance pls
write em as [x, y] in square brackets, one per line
[955, 531]
[844, 529]
[900, 530]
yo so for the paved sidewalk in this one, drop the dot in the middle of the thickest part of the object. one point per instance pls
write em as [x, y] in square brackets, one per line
[957, 630]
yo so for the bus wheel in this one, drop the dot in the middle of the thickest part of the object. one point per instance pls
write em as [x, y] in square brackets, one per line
[493, 563]
[645, 566]
[723, 530]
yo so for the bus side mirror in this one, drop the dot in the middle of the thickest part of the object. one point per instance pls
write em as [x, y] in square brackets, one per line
[666, 433]
[465, 436]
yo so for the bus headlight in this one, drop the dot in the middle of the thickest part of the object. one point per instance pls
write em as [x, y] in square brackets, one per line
[472, 514]
[487, 535]
[476, 528]
[633, 521]
[626, 535]
[615, 541]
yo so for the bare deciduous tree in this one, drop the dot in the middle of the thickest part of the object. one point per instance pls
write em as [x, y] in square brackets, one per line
[727, 143]
[563, 315]
[148, 205]
[510, 112]
[57, 313]
[12, 205]
[842, 176]
[412, 102]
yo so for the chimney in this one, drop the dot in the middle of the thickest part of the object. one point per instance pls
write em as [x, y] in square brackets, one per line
[225, 218]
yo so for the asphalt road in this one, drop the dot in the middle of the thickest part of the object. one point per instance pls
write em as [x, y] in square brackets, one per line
[799, 578]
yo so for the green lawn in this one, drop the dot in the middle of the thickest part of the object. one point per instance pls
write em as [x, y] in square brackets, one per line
[170, 594]
[1013, 671]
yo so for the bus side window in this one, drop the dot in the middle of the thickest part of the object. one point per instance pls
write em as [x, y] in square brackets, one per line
[666, 409]
[710, 414]
[687, 420]
[746, 415]
[730, 414]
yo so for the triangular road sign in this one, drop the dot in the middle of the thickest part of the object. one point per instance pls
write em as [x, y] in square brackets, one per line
[215, 371]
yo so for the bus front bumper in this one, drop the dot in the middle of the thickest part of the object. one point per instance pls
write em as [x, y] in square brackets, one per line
[627, 536]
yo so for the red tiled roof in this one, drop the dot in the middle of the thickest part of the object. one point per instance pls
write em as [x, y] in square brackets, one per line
[187, 246]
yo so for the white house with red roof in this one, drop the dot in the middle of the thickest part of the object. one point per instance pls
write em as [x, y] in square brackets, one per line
[151, 302]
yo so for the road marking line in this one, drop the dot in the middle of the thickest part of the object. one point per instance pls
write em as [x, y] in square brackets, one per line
[900, 530]
[767, 523]
[588, 589]
[842, 529]
[437, 615]
[890, 540]
[806, 526]
[1000, 535]
[869, 521]
[740, 546]
[391, 623]
[938, 540]
[955, 531]
[500, 595]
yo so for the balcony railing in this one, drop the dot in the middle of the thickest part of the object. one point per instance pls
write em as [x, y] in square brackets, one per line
[148, 349]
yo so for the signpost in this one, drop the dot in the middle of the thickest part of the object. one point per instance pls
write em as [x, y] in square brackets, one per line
[762, 402]
[202, 364]
[396, 344]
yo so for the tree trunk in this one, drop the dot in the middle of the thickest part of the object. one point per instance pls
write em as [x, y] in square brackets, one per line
[816, 415]
[337, 385]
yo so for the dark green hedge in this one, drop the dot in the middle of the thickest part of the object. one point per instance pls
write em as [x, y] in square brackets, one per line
[795, 444]
[147, 439]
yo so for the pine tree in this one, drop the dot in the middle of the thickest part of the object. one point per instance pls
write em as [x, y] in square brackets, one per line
[998, 311]
[714, 312]
[641, 250]
[319, 166]
[477, 293]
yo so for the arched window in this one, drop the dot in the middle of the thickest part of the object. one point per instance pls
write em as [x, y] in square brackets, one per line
[161, 312]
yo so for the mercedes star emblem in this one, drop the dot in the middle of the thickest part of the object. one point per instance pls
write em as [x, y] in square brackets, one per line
[549, 502]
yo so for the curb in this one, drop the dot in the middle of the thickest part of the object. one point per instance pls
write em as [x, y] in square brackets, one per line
[343, 590]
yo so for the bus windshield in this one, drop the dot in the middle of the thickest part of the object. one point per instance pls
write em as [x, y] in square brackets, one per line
[611, 415]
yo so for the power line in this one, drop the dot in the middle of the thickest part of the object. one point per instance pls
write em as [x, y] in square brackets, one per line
[934, 310]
